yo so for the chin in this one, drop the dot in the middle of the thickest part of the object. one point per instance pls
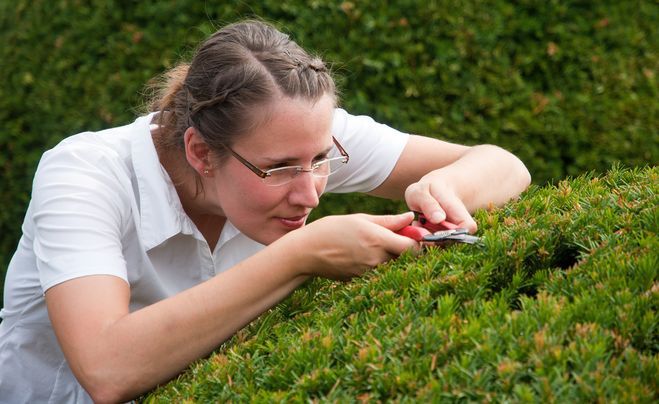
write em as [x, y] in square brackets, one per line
[270, 237]
[266, 238]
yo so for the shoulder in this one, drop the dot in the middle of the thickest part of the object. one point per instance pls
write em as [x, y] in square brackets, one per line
[107, 152]
[91, 148]
[344, 122]
[374, 149]
[363, 128]
[91, 165]
[361, 132]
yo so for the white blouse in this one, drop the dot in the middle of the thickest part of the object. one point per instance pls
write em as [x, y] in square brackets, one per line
[103, 204]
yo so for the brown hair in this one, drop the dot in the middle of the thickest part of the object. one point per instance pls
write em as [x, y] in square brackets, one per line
[238, 69]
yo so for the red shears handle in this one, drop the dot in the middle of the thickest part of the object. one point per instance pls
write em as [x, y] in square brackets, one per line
[444, 225]
[417, 233]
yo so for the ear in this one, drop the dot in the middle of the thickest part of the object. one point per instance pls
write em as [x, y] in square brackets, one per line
[197, 152]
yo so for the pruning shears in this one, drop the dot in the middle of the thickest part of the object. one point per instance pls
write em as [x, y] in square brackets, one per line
[443, 233]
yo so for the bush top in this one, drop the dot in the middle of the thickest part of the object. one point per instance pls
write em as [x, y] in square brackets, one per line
[559, 304]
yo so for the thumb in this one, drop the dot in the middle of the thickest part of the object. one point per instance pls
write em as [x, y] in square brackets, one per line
[396, 244]
[392, 222]
[420, 199]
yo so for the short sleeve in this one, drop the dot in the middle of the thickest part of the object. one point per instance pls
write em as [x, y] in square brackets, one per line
[78, 213]
[374, 149]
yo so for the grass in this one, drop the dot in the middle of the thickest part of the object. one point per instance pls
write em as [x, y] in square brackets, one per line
[559, 304]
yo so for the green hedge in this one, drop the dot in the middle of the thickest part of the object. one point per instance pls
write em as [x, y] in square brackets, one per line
[570, 86]
[558, 305]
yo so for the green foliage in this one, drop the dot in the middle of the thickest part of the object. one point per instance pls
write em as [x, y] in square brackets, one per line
[558, 305]
[569, 86]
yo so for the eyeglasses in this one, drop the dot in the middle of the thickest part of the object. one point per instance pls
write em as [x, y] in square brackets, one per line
[284, 175]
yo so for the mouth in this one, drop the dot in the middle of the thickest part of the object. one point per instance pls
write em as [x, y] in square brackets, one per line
[293, 222]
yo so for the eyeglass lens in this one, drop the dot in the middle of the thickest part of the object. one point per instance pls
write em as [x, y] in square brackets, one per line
[321, 169]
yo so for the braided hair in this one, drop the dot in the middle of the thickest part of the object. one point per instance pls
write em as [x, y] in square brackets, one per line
[234, 74]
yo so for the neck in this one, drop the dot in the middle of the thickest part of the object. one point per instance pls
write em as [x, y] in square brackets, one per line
[189, 192]
[210, 227]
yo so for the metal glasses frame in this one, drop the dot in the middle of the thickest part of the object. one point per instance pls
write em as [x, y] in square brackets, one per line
[267, 173]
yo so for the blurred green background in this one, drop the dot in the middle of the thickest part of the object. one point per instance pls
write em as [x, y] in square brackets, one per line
[569, 86]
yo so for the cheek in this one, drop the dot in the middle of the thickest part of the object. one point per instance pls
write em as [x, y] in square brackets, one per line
[245, 198]
[251, 195]
[263, 199]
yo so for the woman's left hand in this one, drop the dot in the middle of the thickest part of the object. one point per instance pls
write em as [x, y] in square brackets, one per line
[438, 201]
[447, 181]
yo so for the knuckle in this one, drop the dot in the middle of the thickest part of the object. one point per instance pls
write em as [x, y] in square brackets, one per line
[414, 189]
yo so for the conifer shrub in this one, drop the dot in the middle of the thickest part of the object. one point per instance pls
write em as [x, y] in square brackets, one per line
[569, 86]
[559, 303]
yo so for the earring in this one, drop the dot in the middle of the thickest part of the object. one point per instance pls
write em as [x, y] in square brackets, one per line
[206, 171]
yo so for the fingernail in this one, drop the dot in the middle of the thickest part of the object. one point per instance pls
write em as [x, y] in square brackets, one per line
[437, 216]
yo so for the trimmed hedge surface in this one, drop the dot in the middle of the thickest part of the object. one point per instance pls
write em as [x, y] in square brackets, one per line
[558, 305]
[569, 86]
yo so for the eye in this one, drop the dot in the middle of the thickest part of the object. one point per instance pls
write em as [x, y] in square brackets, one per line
[320, 157]
[278, 165]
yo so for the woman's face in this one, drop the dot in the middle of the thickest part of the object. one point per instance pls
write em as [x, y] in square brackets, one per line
[297, 132]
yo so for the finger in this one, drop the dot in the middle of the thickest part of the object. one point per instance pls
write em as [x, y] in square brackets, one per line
[420, 199]
[412, 235]
[469, 224]
[392, 222]
[457, 213]
[396, 243]
[392, 244]
[382, 232]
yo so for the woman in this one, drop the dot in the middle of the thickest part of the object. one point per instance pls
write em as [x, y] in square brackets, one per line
[146, 246]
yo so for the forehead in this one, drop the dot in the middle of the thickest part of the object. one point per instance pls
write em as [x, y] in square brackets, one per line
[291, 123]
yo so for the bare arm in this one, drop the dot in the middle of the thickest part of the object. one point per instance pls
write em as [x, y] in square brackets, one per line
[117, 355]
[449, 180]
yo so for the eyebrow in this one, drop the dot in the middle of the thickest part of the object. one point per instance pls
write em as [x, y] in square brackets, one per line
[280, 160]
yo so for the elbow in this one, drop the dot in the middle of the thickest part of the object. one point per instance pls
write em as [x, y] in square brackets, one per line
[102, 387]
[520, 176]
[110, 394]
[517, 176]
[100, 394]
[106, 396]
[523, 176]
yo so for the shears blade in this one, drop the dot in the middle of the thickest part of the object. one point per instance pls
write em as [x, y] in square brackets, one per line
[437, 234]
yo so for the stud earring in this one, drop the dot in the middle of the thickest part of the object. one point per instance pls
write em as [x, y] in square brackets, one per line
[206, 171]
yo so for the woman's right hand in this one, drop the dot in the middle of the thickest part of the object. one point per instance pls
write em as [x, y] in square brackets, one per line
[342, 247]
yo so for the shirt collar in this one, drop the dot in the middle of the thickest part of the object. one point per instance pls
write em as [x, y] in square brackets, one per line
[229, 231]
[161, 213]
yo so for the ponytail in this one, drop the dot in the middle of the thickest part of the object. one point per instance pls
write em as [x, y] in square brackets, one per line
[165, 91]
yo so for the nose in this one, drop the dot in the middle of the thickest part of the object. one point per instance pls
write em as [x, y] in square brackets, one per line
[306, 190]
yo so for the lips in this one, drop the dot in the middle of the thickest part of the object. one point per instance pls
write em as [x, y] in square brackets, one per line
[293, 222]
